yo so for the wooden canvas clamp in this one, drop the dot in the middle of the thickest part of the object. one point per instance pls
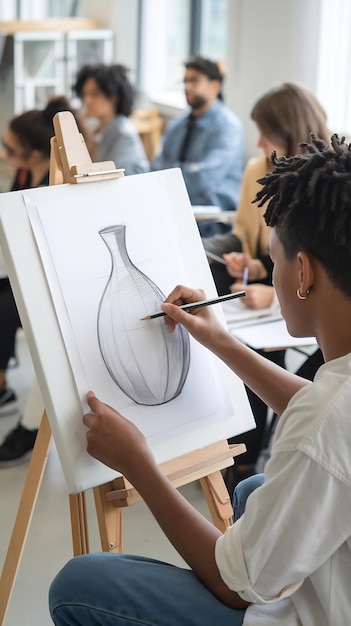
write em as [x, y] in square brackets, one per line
[70, 161]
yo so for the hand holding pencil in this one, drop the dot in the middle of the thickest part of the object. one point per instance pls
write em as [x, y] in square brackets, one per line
[236, 262]
[192, 306]
[242, 266]
[202, 323]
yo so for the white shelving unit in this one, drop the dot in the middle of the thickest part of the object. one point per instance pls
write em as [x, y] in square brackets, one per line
[38, 69]
[41, 59]
[82, 47]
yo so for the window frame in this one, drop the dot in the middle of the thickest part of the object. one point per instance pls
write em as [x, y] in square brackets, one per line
[169, 102]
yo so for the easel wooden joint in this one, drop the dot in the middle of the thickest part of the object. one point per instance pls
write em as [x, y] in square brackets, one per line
[70, 162]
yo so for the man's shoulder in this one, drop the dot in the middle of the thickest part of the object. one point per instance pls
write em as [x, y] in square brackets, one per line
[221, 114]
[223, 109]
[177, 122]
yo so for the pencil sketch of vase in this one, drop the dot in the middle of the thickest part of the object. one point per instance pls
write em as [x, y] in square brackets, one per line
[147, 362]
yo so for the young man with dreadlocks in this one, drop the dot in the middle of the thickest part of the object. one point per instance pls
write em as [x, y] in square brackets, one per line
[287, 560]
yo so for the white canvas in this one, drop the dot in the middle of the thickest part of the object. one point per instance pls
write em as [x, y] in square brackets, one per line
[59, 267]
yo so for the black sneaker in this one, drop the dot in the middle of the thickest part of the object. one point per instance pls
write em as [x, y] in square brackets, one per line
[17, 446]
[8, 402]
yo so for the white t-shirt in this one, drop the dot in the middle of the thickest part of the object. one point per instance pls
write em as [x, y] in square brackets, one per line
[294, 540]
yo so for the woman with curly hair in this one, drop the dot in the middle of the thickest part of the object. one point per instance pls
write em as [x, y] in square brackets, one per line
[108, 96]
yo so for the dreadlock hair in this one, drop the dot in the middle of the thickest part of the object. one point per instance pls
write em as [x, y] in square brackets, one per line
[309, 198]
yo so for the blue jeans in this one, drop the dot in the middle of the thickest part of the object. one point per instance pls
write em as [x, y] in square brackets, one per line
[106, 589]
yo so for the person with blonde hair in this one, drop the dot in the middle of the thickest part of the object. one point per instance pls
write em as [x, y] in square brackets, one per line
[284, 116]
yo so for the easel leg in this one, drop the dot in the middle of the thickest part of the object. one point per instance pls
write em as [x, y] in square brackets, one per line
[218, 500]
[109, 520]
[24, 514]
[79, 523]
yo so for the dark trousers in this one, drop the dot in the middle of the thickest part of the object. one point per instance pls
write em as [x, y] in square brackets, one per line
[9, 323]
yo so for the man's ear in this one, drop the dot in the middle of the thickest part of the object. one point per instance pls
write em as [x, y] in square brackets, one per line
[305, 272]
[216, 87]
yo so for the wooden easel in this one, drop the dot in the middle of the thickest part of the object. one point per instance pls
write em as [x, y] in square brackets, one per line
[70, 162]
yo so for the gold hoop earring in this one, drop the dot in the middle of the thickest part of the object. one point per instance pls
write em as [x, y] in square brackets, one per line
[300, 297]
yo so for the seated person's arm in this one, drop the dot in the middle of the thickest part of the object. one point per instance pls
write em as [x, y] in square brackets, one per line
[238, 261]
[259, 293]
[119, 444]
[269, 381]
[258, 296]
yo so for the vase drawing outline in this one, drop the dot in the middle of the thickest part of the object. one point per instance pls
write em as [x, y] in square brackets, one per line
[149, 364]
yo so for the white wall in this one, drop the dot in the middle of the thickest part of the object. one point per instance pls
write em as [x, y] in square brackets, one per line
[270, 42]
[122, 17]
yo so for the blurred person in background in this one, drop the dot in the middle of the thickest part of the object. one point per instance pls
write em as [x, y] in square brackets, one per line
[108, 96]
[26, 147]
[207, 143]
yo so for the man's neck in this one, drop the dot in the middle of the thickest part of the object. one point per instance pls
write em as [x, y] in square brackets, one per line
[202, 110]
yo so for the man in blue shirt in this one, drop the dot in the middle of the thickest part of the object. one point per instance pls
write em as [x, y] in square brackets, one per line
[208, 144]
